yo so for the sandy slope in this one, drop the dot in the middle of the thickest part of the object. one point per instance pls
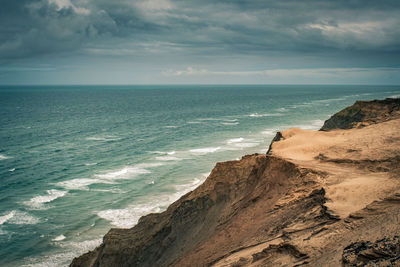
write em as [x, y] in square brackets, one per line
[358, 162]
[319, 198]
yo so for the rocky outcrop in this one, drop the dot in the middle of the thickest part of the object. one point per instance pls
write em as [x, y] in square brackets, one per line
[364, 113]
[384, 252]
[278, 136]
[310, 201]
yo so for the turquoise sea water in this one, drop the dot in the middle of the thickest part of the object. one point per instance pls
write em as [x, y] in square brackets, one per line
[76, 161]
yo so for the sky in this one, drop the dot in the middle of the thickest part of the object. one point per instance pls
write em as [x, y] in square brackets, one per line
[199, 42]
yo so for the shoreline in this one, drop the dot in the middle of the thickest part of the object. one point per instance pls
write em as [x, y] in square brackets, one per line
[219, 201]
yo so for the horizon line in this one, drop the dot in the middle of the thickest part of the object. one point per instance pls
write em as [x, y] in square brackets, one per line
[203, 84]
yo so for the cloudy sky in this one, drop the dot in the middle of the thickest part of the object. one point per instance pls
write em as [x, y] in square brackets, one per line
[199, 41]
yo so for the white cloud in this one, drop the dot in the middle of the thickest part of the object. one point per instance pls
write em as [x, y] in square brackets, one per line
[67, 4]
[365, 33]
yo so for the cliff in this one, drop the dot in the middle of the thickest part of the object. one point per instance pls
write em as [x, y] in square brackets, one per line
[364, 113]
[318, 198]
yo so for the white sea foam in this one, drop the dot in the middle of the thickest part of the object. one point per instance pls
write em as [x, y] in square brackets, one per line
[128, 217]
[79, 184]
[206, 174]
[18, 217]
[235, 140]
[91, 164]
[110, 177]
[205, 150]
[11, 170]
[230, 123]
[282, 109]
[103, 138]
[185, 188]
[246, 145]
[112, 190]
[3, 157]
[38, 201]
[82, 246]
[59, 238]
[171, 126]
[269, 131]
[256, 115]
[69, 251]
[150, 165]
[124, 173]
[395, 96]
[6, 217]
[167, 158]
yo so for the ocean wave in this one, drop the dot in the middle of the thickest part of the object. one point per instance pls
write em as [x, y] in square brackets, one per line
[82, 246]
[168, 158]
[205, 150]
[235, 140]
[170, 126]
[6, 217]
[106, 138]
[111, 190]
[70, 251]
[256, 115]
[11, 170]
[3, 157]
[79, 183]
[18, 217]
[300, 105]
[246, 145]
[185, 188]
[128, 217]
[124, 173]
[270, 131]
[91, 164]
[230, 123]
[110, 177]
[150, 165]
[38, 201]
[59, 238]
[394, 96]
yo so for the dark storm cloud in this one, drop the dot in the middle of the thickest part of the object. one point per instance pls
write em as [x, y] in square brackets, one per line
[32, 28]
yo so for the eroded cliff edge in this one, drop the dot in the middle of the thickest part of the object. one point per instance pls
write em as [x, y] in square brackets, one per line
[319, 198]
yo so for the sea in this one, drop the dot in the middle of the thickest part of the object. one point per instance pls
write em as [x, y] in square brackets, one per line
[76, 161]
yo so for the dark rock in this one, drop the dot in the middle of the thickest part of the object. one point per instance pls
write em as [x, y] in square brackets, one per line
[384, 252]
[364, 113]
[277, 138]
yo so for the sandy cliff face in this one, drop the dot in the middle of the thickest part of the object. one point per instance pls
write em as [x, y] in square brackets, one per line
[318, 198]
